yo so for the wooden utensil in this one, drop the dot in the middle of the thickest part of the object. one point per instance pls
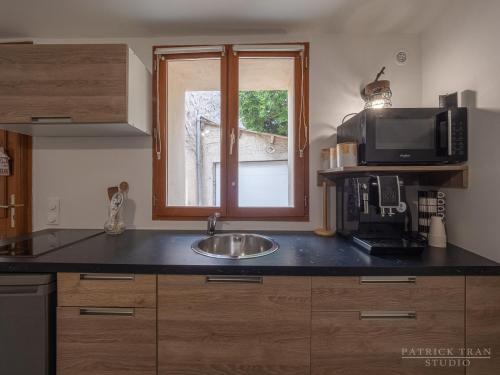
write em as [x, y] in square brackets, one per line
[112, 191]
[124, 187]
[325, 231]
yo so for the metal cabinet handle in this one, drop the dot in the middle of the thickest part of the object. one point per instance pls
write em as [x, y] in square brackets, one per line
[51, 120]
[387, 280]
[235, 279]
[106, 276]
[232, 142]
[107, 311]
[381, 315]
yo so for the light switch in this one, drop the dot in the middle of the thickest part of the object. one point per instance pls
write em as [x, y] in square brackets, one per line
[54, 205]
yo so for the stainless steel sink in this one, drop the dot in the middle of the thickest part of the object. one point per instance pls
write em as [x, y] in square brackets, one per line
[235, 246]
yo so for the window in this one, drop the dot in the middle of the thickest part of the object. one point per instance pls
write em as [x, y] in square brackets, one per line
[231, 132]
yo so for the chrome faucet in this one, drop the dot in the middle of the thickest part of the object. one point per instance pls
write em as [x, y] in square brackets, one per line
[212, 222]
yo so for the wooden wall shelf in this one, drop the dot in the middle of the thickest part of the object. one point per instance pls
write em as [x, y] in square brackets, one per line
[450, 176]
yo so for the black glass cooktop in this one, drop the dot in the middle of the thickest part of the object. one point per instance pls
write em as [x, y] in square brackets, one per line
[44, 241]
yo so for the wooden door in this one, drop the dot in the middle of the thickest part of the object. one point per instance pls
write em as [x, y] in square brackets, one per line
[106, 341]
[15, 190]
[482, 322]
[228, 326]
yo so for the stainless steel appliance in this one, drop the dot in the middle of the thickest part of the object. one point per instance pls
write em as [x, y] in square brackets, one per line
[27, 324]
[407, 135]
[372, 211]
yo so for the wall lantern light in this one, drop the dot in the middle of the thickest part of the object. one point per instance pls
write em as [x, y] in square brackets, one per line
[377, 94]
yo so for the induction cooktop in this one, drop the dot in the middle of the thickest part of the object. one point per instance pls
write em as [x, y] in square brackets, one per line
[42, 242]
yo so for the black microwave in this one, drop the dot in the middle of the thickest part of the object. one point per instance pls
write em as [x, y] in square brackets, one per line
[407, 135]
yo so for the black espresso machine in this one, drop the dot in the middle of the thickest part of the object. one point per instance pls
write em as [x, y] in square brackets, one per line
[373, 212]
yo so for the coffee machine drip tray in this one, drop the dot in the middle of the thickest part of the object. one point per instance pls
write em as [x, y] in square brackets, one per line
[390, 245]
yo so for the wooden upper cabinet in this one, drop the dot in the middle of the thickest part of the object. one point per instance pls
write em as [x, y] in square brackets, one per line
[48, 89]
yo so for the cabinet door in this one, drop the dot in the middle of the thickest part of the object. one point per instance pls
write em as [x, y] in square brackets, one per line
[422, 293]
[483, 324]
[354, 343]
[71, 83]
[106, 341]
[106, 290]
[229, 326]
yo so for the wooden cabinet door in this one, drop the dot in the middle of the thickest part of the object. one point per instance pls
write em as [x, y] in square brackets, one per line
[233, 326]
[482, 322]
[421, 293]
[346, 343]
[106, 341]
[74, 83]
[106, 290]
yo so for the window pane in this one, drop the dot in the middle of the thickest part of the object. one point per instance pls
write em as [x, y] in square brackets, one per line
[193, 132]
[266, 118]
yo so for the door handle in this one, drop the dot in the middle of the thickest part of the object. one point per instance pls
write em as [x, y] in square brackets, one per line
[107, 311]
[12, 207]
[235, 279]
[51, 120]
[101, 276]
[382, 315]
[387, 280]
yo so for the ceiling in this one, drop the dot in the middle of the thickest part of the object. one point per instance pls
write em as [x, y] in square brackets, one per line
[150, 18]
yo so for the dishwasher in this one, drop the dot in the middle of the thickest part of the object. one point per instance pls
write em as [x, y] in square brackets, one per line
[27, 324]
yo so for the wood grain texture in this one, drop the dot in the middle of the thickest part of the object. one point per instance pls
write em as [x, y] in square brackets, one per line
[342, 344]
[4, 200]
[85, 82]
[451, 175]
[483, 321]
[229, 119]
[106, 345]
[233, 328]
[429, 293]
[72, 291]
[19, 149]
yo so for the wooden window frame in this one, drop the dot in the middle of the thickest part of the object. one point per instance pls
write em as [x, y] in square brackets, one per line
[229, 209]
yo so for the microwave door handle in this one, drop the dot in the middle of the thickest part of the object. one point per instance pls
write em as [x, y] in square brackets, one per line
[450, 139]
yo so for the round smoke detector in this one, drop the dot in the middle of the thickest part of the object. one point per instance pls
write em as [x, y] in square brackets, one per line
[401, 57]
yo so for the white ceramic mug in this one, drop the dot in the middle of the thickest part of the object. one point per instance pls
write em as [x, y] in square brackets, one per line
[437, 233]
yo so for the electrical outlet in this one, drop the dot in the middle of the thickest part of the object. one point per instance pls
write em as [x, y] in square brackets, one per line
[54, 206]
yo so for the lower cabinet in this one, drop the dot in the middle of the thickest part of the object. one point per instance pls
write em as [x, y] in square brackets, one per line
[106, 324]
[379, 325]
[106, 341]
[125, 324]
[233, 325]
[369, 343]
[483, 324]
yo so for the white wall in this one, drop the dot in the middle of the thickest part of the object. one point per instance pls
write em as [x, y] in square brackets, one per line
[461, 53]
[79, 170]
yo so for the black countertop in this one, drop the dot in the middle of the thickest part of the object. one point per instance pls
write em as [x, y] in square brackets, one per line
[300, 253]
